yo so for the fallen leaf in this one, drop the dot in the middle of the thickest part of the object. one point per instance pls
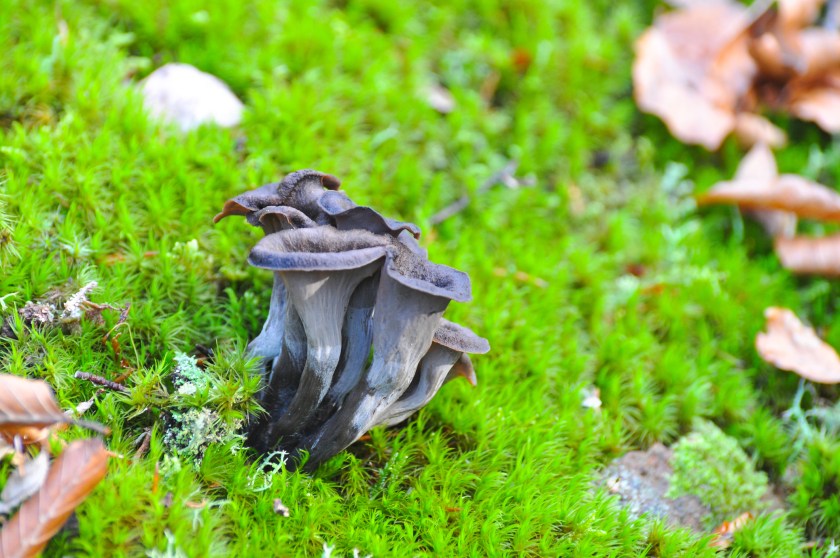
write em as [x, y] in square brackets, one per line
[752, 129]
[795, 14]
[28, 409]
[696, 57]
[71, 478]
[817, 100]
[756, 172]
[24, 481]
[25, 402]
[788, 192]
[790, 345]
[723, 532]
[810, 256]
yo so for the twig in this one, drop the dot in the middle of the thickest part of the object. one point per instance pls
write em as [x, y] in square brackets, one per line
[503, 176]
[90, 425]
[100, 381]
[120, 322]
[144, 445]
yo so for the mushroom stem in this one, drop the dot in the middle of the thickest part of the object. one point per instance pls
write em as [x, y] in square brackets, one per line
[272, 219]
[284, 378]
[430, 376]
[357, 336]
[356, 339]
[321, 299]
[403, 327]
[269, 342]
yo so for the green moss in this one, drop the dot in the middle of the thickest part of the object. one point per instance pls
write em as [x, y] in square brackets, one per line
[644, 297]
[712, 466]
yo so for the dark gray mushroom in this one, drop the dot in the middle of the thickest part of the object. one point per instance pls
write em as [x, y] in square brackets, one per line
[275, 218]
[357, 337]
[268, 344]
[249, 202]
[283, 380]
[347, 216]
[445, 360]
[299, 190]
[408, 240]
[410, 300]
[302, 189]
[321, 268]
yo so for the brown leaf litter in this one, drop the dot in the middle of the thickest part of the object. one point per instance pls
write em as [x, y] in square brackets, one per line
[791, 345]
[708, 68]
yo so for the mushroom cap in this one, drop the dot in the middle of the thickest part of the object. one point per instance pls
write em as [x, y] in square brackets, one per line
[254, 200]
[459, 338]
[317, 249]
[411, 243]
[416, 272]
[281, 217]
[294, 181]
[348, 215]
[463, 368]
[302, 189]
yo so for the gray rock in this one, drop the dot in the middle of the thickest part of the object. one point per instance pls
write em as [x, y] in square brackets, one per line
[188, 97]
[641, 479]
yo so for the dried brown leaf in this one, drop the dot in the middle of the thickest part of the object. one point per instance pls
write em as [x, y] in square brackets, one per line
[789, 192]
[72, 477]
[796, 14]
[27, 407]
[758, 164]
[790, 345]
[810, 256]
[723, 533]
[818, 50]
[25, 402]
[817, 100]
[752, 129]
[758, 170]
[697, 57]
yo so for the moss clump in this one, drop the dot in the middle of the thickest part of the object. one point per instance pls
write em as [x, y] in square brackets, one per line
[192, 425]
[712, 466]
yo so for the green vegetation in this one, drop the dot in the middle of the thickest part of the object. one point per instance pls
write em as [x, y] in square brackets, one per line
[652, 302]
[713, 467]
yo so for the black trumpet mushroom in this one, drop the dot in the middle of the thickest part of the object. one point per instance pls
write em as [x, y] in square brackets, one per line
[355, 335]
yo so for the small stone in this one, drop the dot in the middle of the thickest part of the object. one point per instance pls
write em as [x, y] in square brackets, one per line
[440, 99]
[280, 509]
[188, 97]
[641, 480]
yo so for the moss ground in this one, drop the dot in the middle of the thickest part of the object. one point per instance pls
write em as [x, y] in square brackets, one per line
[644, 297]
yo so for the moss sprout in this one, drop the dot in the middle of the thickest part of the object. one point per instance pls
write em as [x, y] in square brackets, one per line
[712, 466]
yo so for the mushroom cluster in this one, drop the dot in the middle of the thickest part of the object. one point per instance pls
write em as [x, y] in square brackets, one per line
[355, 335]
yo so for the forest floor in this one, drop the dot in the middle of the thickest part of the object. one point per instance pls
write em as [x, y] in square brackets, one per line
[600, 274]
